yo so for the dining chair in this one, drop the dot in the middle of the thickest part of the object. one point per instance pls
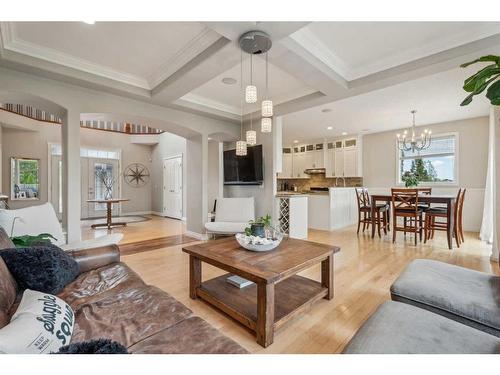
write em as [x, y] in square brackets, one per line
[431, 225]
[364, 212]
[405, 205]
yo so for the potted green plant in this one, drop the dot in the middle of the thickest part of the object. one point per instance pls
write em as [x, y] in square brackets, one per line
[410, 179]
[486, 78]
[42, 239]
[258, 226]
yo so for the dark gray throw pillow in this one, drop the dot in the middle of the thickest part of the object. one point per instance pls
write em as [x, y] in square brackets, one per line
[99, 346]
[46, 269]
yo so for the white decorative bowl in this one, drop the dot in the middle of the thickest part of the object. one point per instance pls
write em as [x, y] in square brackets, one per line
[248, 242]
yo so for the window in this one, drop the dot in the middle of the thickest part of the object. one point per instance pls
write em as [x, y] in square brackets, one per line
[435, 165]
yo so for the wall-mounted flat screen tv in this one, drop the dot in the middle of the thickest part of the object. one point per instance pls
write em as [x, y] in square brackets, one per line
[243, 170]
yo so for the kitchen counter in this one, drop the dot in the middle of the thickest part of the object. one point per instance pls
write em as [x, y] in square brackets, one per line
[290, 194]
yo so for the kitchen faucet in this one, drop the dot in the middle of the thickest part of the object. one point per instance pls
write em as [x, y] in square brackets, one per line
[337, 180]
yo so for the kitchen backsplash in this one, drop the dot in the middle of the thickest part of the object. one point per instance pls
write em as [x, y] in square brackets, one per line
[319, 180]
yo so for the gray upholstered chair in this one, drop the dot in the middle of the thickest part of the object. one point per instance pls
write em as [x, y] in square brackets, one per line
[399, 328]
[466, 296]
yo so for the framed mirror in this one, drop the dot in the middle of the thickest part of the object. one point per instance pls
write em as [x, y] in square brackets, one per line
[24, 179]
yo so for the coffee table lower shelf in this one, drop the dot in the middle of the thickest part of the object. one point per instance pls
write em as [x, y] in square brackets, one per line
[293, 296]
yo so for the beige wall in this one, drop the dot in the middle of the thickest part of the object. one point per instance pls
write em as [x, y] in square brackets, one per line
[29, 144]
[379, 163]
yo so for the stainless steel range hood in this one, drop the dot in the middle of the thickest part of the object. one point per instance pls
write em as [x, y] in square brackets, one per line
[315, 171]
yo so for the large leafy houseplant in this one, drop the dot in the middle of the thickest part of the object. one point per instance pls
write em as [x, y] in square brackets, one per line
[486, 78]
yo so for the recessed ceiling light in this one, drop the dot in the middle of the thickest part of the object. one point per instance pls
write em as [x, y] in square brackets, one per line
[344, 133]
[209, 138]
[330, 127]
[326, 110]
[295, 141]
[89, 22]
[365, 130]
[228, 80]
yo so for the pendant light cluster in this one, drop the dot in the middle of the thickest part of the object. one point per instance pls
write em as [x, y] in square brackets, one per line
[254, 43]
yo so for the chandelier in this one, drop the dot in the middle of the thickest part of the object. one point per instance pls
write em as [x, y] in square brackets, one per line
[241, 145]
[256, 43]
[411, 142]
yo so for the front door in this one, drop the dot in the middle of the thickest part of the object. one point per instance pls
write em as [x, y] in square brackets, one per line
[101, 173]
[172, 187]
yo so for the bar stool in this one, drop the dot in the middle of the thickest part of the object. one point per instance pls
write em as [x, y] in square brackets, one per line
[405, 205]
[364, 212]
[431, 225]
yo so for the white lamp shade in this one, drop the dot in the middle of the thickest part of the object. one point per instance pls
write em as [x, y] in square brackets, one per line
[251, 137]
[241, 148]
[267, 108]
[266, 125]
[251, 94]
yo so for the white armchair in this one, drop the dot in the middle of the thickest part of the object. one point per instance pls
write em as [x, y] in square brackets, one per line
[232, 215]
[39, 219]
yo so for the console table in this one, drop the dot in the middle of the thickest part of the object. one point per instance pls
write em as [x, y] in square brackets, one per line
[109, 206]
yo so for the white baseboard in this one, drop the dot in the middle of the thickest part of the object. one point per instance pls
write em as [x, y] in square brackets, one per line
[137, 213]
[198, 236]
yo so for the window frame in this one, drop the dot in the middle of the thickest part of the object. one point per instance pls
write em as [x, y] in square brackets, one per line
[456, 177]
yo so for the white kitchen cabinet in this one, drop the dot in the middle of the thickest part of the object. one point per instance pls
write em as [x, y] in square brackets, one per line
[298, 164]
[293, 216]
[287, 166]
[309, 160]
[351, 162]
[339, 162]
[329, 160]
[319, 159]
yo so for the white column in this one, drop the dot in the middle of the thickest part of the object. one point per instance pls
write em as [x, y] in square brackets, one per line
[277, 166]
[495, 251]
[197, 185]
[71, 176]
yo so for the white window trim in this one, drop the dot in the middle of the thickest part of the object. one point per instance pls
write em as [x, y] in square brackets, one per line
[456, 167]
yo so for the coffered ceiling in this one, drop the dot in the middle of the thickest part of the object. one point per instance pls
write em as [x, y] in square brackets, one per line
[312, 65]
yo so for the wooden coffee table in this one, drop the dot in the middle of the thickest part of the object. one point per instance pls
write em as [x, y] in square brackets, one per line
[277, 296]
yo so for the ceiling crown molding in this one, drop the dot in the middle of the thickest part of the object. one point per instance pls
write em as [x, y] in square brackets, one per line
[13, 44]
[205, 102]
[10, 42]
[312, 44]
[194, 47]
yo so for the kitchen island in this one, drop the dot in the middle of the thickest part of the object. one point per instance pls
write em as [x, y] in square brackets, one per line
[334, 209]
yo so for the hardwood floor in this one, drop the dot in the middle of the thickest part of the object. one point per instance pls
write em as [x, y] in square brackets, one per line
[364, 270]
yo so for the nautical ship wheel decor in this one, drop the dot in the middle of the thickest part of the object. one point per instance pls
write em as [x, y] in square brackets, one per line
[136, 175]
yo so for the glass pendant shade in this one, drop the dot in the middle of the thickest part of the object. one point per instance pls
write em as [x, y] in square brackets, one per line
[267, 108]
[251, 94]
[266, 125]
[251, 137]
[241, 148]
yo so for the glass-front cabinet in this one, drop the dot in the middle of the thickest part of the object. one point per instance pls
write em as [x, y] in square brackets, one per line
[339, 157]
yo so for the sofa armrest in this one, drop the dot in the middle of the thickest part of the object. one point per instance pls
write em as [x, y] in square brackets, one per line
[89, 259]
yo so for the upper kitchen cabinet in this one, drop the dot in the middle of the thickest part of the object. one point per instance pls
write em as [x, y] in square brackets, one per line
[348, 157]
[339, 158]
[329, 159]
[287, 166]
[319, 156]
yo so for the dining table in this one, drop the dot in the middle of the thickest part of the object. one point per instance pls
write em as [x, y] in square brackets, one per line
[447, 200]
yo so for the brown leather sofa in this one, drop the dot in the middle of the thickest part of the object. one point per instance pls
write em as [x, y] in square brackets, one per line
[111, 301]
